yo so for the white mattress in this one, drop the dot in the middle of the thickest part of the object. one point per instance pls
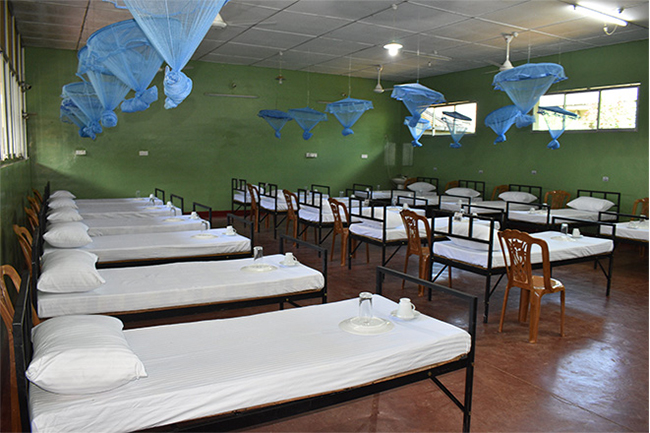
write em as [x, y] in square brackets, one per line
[492, 205]
[628, 231]
[179, 284]
[205, 368]
[561, 247]
[127, 225]
[314, 214]
[540, 216]
[126, 201]
[141, 246]
[372, 230]
[268, 203]
[450, 203]
[241, 197]
[134, 212]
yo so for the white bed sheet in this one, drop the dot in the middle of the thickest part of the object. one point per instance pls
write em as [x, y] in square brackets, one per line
[560, 247]
[241, 197]
[181, 284]
[269, 203]
[451, 203]
[155, 224]
[206, 368]
[494, 205]
[628, 231]
[134, 212]
[375, 231]
[540, 216]
[141, 246]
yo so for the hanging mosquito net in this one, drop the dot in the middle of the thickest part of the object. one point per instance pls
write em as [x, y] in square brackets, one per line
[417, 98]
[70, 113]
[83, 95]
[501, 119]
[416, 131]
[175, 28]
[307, 118]
[555, 118]
[526, 83]
[348, 111]
[276, 118]
[457, 124]
[109, 88]
[125, 51]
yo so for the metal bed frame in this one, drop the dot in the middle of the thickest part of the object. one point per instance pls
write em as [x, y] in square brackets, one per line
[490, 271]
[159, 193]
[166, 312]
[314, 199]
[270, 190]
[619, 239]
[22, 325]
[499, 214]
[239, 185]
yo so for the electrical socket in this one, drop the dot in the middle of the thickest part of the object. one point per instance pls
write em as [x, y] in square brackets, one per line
[533, 172]
[364, 156]
[480, 172]
[80, 152]
[311, 155]
[605, 178]
[143, 153]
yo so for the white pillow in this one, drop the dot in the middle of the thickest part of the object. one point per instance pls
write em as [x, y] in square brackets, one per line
[520, 196]
[68, 271]
[82, 355]
[480, 230]
[421, 187]
[463, 192]
[62, 194]
[73, 234]
[590, 204]
[61, 202]
[64, 214]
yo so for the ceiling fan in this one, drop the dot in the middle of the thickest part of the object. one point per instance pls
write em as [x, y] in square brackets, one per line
[507, 65]
[378, 88]
[220, 23]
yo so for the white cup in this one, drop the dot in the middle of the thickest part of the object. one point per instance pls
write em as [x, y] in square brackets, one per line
[405, 309]
[576, 233]
[290, 259]
[194, 216]
[230, 230]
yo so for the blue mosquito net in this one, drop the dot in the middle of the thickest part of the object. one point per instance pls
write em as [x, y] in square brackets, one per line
[555, 118]
[83, 95]
[416, 131]
[125, 51]
[109, 88]
[307, 118]
[70, 113]
[348, 111]
[501, 119]
[417, 98]
[276, 118]
[175, 28]
[526, 83]
[457, 124]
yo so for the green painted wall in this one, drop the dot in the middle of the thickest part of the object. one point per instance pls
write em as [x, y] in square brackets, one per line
[196, 148]
[15, 186]
[583, 158]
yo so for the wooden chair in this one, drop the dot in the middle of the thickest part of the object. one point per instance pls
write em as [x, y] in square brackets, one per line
[498, 190]
[644, 206]
[516, 247]
[8, 271]
[409, 181]
[557, 199]
[37, 195]
[35, 204]
[292, 211]
[412, 222]
[255, 209]
[342, 228]
[451, 184]
[32, 218]
[25, 240]
[7, 313]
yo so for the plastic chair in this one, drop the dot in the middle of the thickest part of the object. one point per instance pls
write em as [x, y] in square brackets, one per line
[25, 240]
[412, 223]
[558, 198]
[37, 195]
[255, 210]
[7, 314]
[451, 184]
[644, 206]
[292, 211]
[35, 204]
[342, 228]
[516, 247]
[12, 273]
[498, 190]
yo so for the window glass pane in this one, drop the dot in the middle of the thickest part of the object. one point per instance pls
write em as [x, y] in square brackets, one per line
[585, 105]
[556, 100]
[618, 108]
[434, 115]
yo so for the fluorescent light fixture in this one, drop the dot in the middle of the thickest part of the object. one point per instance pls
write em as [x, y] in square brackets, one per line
[393, 48]
[600, 15]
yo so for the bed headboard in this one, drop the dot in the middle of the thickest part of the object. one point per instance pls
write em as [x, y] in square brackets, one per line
[180, 199]
[477, 185]
[614, 197]
[531, 189]
[22, 329]
[159, 193]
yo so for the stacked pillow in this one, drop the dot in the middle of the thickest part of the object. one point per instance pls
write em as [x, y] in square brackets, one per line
[72, 234]
[68, 271]
[421, 187]
[463, 192]
[518, 196]
[591, 204]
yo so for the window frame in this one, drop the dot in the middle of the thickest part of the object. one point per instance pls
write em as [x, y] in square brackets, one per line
[450, 106]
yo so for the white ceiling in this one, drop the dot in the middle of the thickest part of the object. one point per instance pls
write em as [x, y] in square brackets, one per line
[347, 36]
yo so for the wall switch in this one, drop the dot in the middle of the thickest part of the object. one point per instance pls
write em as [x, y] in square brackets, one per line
[533, 172]
[311, 155]
[143, 153]
[364, 156]
[80, 152]
[605, 178]
[480, 172]
[435, 168]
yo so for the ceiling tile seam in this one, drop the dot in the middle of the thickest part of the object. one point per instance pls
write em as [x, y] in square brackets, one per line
[83, 25]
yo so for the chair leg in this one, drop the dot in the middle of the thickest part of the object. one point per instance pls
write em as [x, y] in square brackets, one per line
[562, 313]
[367, 253]
[422, 270]
[503, 309]
[333, 244]
[344, 245]
[406, 266]
[535, 311]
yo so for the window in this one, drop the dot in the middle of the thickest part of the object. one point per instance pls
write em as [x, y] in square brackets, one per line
[434, 115]
[606, 108]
